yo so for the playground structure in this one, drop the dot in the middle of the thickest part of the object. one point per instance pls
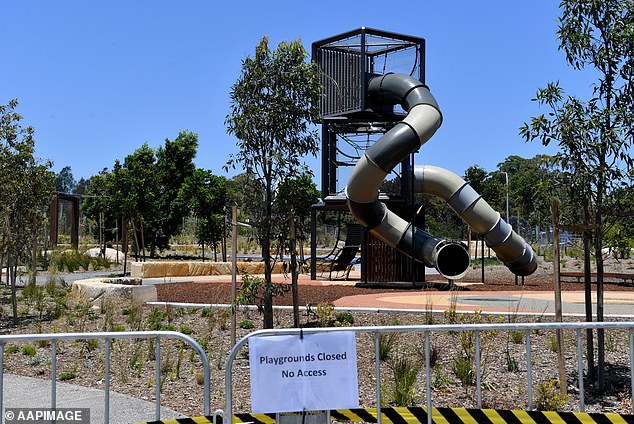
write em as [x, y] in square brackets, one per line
[374, 118]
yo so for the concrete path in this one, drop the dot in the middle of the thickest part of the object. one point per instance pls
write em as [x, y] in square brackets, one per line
[28, 392]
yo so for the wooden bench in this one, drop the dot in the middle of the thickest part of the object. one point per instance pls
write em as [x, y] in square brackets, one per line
[616, 277]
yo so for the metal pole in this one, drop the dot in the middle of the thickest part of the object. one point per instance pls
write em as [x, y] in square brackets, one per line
[53, 374]
[234, 267]
[377, 370]
[106, 413]
[2, 377]
[428, 377]
[582, 402]
[529, 370]
[157, 375]
[631, 365]
[478, 353]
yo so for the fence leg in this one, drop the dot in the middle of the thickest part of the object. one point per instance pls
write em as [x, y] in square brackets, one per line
[54, 374]
[478, 370]
[377, 365]
[529, 370]
[157, 354]
[428, 377]
[106, 413]
[582, 402]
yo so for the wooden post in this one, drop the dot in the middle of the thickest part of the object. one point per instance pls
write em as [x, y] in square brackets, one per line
[234, 267]
[482, 237]
[124, 236]
[558, 312]
[53, 221]
[74, 223]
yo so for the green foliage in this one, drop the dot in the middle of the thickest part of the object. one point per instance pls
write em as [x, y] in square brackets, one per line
[26, 185]
[552, 344]
[463, 370]
[273, 104]
[344, 319]
[68, 375]
[387, 343]
[72, 260]
[10, 349]
[143, 190]
[253, 291]
[155, 319]
[405, 369]
[325, 311]
[511, 362]
[27, 350]
[548, 396]
[517, 336]
[185, 329]
[439, 378]
[205, 195]
[246, 324]
[117, 328]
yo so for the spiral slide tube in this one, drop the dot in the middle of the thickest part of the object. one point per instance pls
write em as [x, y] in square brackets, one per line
[451, 259]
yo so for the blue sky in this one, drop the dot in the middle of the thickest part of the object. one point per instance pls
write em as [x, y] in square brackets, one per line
[97, 79]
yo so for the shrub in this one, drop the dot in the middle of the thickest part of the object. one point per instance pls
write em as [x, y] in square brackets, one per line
[325, 312]
[511, 362]
[27, 350]
[11, 349]
[344, 319]
[517, 337]
[155, 319]
[387, 341]
[548, 396]
[253, 289]
[186, 329]
[463, 369]
[68, 375]
[246, 324]
[118, 328]
[405, 369]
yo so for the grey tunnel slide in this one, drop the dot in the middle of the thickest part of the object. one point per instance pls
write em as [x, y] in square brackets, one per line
[423, 118]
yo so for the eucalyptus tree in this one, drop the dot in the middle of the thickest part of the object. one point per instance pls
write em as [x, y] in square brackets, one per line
[26, 184]
[299, 194]
[205, 195]
[273, 103]
[174, 164]
[594, 136]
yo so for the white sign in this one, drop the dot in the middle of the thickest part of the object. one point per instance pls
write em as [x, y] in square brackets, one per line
[289, 373]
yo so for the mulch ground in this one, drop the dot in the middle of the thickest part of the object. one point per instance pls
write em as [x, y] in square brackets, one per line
[497, 278]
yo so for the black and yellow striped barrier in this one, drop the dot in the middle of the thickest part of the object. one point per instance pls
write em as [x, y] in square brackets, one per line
[415, 415]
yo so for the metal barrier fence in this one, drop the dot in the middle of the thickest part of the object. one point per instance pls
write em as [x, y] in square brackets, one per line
[108, 337]
[426, 331]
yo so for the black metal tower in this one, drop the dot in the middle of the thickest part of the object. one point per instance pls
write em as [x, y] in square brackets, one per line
[350, 125]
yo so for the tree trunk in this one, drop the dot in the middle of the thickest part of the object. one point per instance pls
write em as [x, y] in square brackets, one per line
[600, 332]
[125, 245]
[588, 303]
[561, 364]
[266, 253]
[12, 271]
[142, 238]
[33, 276]
[294, 275]
[136, 241]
